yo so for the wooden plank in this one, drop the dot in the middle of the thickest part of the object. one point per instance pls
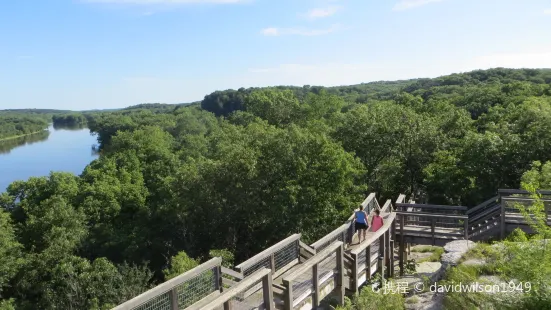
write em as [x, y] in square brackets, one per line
[354, 277]
[400, 199]
[268, 252]
[228, 282]
[419, 214]
[168, 285]
[521, 192]
[314, 260]
[402, 246]
[315, 280]
[426, 206]
[288, 294]
[173, 295]
[232, 273]
[267, 292]
[482, 205]
[330, 236]
[339, 285]
[307, 248]
[233, 291]
[502, 231]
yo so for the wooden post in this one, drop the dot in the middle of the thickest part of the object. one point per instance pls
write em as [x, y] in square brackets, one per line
[174, 299]
[391, 264]
[382, 252]
[354, 272]
[402, 246]
[227, 305]
[339, 287]
[409, 248]
[315, 281]
[381, 267]
[288, 295]
[272, 262]
[218, 276]
[466, 228]
[432, 229]
[368, 263]
[502, 234]
[268, 293]
[394, 229]
[388, 252]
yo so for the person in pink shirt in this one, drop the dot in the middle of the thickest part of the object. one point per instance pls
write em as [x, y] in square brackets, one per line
[376, 221]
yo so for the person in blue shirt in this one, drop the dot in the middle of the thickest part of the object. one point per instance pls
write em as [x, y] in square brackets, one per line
[361, 223]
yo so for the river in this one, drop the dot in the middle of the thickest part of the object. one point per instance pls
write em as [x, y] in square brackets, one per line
[66, 149]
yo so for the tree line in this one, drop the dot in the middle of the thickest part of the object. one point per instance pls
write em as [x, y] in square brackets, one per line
[12, 126]
[176, 185]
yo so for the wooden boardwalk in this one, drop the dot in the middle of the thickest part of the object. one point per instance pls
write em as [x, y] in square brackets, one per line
[292, 275]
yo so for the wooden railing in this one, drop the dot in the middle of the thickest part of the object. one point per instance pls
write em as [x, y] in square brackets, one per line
[239, 296]
[320, 269]
[320, 276]
[417, 215]
[278, 258]
[377, 245]
[200, 283]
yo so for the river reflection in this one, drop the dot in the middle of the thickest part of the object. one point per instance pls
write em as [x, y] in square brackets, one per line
[69, 127]
[7, 145]
[61, 148]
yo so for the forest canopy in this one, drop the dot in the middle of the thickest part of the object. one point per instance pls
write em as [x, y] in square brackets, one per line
[177, 184]
[16, 125]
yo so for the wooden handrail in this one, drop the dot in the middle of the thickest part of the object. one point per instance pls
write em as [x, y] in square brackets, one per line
[314, 260]
[233, 273]
[461, 217]
[400, 199]
[424, 206]
[482, 205]
[521, 191]
[235, 290]
[386, 206]
[268, 252]
[169, 285]
[342, 229]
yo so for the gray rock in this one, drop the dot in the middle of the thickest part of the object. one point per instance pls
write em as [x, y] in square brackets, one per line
[474, 262]
[460, 246]
[451, 258]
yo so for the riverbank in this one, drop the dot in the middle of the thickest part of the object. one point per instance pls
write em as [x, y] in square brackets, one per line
[19, 136]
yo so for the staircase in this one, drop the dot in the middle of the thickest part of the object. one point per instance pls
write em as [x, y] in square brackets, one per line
[485, 220]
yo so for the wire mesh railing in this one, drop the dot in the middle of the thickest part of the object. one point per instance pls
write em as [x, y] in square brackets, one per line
[180, 292]
[338, 234]
[245, 295]
[275, 258]
[312, 281]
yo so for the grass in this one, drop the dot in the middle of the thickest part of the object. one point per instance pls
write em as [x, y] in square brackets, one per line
[413, 300]
[436, 253]
[425, 249]
[520, 259]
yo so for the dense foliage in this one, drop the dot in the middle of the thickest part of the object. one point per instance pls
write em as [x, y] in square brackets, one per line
[176, 185]
[12, 126]
[71, 119]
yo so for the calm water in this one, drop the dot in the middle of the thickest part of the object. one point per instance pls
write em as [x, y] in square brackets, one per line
[58, 149]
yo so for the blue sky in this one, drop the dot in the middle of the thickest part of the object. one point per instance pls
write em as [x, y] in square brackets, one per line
[91, 54]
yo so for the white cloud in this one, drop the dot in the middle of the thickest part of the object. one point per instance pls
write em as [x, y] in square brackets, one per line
[547, 12]
[409, 4]
[322, 12]
[273, 31]
[167, 1]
